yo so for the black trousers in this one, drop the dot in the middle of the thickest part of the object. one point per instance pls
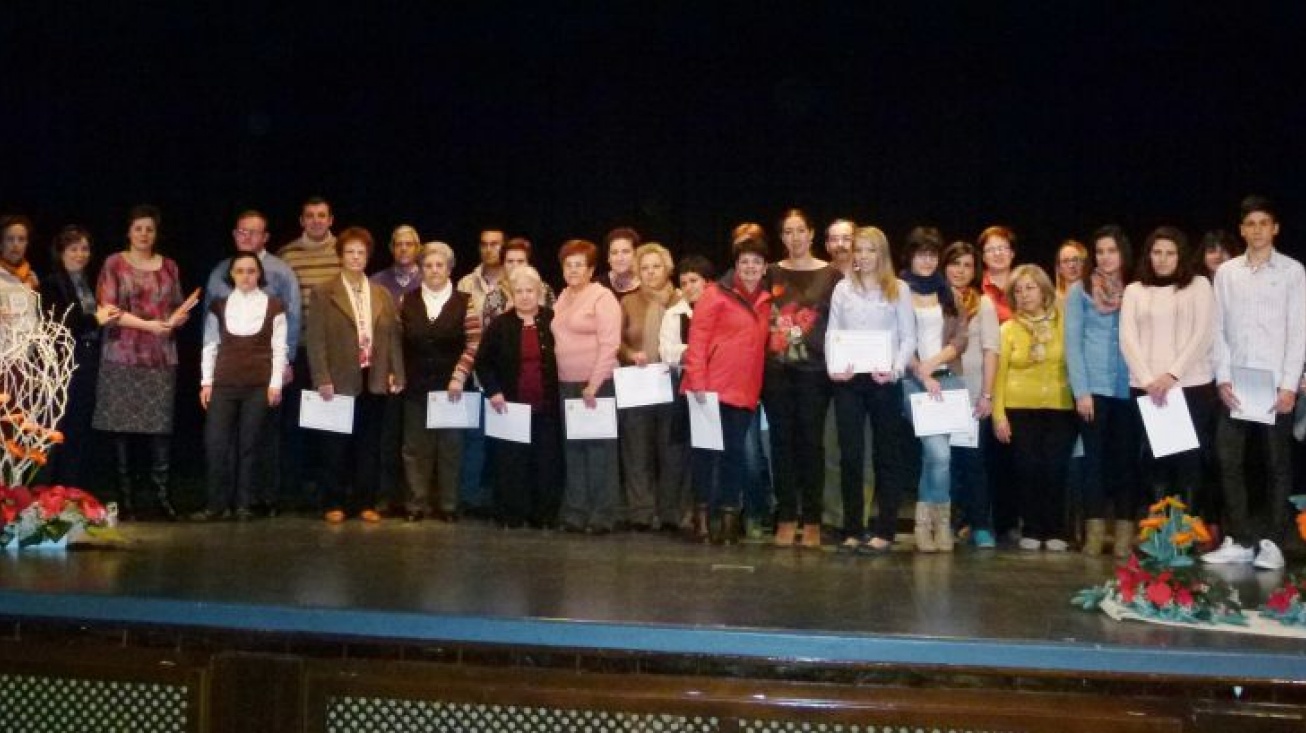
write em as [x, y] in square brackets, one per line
[1111, 456]
[349, 462]
[796, 401]
[1241, 522]
[234, 425]
[1180, 474]
[528, 477]
[893, 452]
[1041, 443]
[70, 462]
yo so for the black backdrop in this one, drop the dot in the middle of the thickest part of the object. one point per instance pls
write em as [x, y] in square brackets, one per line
[563, 119]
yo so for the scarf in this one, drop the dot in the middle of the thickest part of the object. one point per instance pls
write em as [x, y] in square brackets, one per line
[1040, 331]
[22, 271]
[1107, 291]
[658, 300]
[998, 296]
[623, 283]
[968, 300]
[930, 285]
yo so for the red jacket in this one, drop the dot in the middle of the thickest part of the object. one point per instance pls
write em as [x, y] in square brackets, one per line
[727, 346]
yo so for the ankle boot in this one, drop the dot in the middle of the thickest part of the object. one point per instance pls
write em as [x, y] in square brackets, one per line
[729, 527]
[1094, 536]
[160, 465]
[784, 533]
[1124, 541]
[699, 528]
[924, 528]
[943, 526]
[122, 464]
[812, 535]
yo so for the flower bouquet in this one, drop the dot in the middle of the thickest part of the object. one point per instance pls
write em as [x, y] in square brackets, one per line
[48, 514]
[1287, 604]
[1161, 580]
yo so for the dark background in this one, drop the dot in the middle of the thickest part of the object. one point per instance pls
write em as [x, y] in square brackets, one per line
[563, 119]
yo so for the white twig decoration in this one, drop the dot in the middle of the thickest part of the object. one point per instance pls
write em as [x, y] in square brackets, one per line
[36, 364]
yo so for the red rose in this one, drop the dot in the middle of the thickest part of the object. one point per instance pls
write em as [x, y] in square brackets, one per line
[1160, 593]
[94, 510]
[806, 318]
[778, 342]
[1281, 599]
[1184, 598]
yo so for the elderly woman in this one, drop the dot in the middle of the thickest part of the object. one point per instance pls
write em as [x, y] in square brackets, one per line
[441, 331]
[353, 346]
[940, 342]
[694, 272]
[587, 333]
[652, 462]
[622, 276]
[516, 253]
[241, 368]
[516, 364]
[138, 370]
[1099, 380]
[1033, 409]
[69, 294]
[796, 389]
[872, 299]
[15, 235]
[979, 364]
[725, 355]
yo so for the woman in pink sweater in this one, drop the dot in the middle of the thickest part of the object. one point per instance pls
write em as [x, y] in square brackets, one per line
[1166, 329]
[587, 331]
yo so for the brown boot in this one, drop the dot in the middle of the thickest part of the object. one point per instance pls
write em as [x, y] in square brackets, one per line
[943, 526]
[699, 530]
[812, 536]
[1124, 542]
[925, 528]
[1094, 536]
[728, 534]
[784, 533]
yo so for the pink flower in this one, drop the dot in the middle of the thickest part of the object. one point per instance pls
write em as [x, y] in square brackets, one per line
[1281, 599]
[1160, 593]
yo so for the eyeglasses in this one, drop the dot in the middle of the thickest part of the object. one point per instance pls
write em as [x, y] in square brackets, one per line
[996, 249]
[1070, 260]
[242, 233]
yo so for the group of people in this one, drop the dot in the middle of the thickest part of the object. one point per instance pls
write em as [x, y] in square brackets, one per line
[1054, 367]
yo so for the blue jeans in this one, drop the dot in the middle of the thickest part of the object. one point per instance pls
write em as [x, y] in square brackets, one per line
[936, 454]
[757, 482]
[970, 484]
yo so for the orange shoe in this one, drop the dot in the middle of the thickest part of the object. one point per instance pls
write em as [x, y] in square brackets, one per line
[784, 534]
[335, 516]
[369, 515]
[812, 536]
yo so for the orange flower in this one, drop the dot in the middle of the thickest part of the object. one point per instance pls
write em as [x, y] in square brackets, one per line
[1152, 523]
[14, 449]
[55, 437]
[1180, 539]
[38, 456]
[1301, 525]
[1169, 501]
[1200, 530]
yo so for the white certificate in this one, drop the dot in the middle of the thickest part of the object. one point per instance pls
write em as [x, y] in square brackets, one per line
[1256, 394]
[968, 438]
[335, 415]
[584, 423]
[950, 414]
[705, 422]
[867, 351]
[514, 423]
[638, 386]
[1170, 428]
[441, 413]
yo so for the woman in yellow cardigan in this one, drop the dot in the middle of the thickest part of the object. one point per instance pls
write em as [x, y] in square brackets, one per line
[1033, 409]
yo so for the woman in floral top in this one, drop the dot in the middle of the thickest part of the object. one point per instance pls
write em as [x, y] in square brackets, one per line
[138, 374]
[796, 389]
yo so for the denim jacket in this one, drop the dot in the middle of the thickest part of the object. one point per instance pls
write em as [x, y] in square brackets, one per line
[1093, 357]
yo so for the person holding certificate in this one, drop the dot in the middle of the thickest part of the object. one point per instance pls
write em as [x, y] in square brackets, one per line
[1099, 380]
[940, 342]
[1166, 332]
[353, 343]
[441, 331]
[516, 363]
[587, 333]
[652, 462]
[979, 364]
[1033, 409]
[872, 299]
[242, 369]
[725, 355]
[138, 370]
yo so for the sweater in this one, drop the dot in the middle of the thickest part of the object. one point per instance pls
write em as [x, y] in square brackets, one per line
[1165, 330]
[1025, 384]
[587, 333]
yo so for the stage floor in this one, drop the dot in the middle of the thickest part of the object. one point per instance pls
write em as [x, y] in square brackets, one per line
[476, 583]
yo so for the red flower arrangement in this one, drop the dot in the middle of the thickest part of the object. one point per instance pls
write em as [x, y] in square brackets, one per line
[1287, 604]
[790, 325]
[48, 513]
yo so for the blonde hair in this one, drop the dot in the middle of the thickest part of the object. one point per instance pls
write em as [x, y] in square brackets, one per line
[1082, 251]
[884, 277]
[657, 249]
[1040, 278]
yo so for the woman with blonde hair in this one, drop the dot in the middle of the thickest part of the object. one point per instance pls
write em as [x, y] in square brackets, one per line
[872, 299]
[1071, 257]
[1032, 407]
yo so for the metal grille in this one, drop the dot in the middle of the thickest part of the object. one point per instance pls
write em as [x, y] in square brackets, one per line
[381, 715]
[52, 705]
[791, 726]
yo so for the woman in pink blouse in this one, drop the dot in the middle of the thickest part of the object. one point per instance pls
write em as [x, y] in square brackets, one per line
[138, 372]
[587, 330]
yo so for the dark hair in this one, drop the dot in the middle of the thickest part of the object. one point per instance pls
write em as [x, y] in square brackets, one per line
[145, 211]
[517, 243]
[922, 239]
[791, 213]
[582, 247]
[1216, 239]
[262, 276]
[956, 251]
[1183, 274]
[697, 264]
[1255, 203]
[66, 237]
[355, 234]
[1117, 235]
[622, 233]
[749, 244]
[314, 201]
[10, 220]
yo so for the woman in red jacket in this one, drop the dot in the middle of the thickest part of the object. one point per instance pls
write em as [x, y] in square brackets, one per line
[727, 347]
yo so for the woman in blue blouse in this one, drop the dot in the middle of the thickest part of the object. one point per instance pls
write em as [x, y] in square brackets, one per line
[1099, 379]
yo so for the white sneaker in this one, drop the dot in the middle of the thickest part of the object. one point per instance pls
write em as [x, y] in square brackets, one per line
[1230, 553]
[1270, 557]
[1029, 543]
[1056, 545]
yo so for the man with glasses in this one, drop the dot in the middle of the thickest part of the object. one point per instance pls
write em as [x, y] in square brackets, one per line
[251, 235]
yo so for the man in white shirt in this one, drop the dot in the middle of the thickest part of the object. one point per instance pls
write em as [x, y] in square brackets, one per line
[1260, 323]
